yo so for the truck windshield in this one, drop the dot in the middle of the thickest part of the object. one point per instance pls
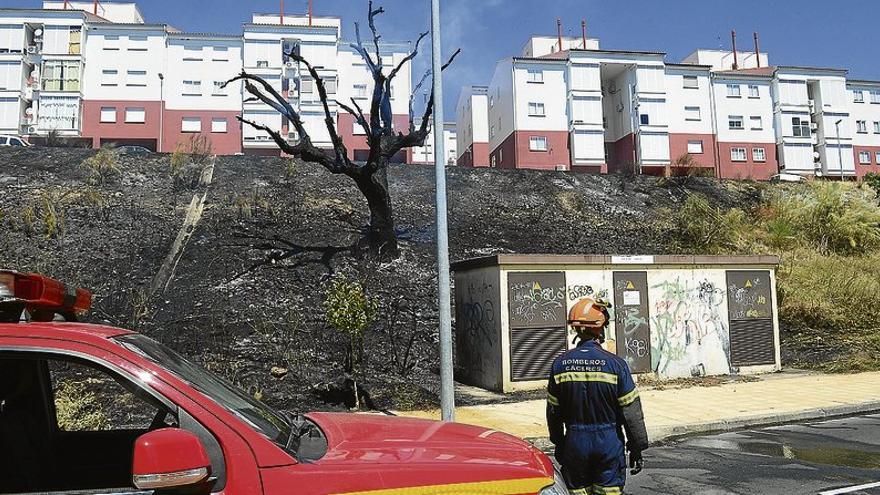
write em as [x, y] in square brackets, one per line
[260, 416]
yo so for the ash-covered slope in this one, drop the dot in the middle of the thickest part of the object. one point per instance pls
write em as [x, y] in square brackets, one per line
[249, 279]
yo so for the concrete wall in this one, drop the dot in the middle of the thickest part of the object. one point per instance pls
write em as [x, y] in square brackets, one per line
[478, 360]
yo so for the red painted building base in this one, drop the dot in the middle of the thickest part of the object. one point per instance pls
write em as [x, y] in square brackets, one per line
[749, 169]
[863, 169]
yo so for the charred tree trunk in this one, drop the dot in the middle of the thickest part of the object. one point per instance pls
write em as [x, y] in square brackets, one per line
[381, 238]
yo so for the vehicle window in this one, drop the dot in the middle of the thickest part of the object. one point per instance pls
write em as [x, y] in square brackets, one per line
[90, 400]
[4, 141]
[260, 416]
[15, 142]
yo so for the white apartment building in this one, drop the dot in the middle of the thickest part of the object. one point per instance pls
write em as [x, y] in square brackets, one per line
[731, 113]
[472, 127]
[110, 77]
[424, 155]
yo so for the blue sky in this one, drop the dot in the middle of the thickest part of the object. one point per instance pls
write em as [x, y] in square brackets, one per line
[488, 30]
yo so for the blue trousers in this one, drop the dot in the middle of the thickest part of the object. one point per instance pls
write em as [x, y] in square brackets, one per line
[594, 460]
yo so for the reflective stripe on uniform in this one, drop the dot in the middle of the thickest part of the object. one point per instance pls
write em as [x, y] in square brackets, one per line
[552, 399]
[628, 398]
[586, 376]
[581, 491]
[607, 490]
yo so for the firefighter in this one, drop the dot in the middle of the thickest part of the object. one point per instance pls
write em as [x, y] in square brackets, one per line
[591, 401]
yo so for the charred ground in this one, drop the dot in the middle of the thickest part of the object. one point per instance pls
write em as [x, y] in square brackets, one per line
[246, 292]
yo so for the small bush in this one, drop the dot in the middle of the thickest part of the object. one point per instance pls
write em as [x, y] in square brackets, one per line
[873, 181]
[189, 161]
[703, 228]
[78, 407]
[102, 167]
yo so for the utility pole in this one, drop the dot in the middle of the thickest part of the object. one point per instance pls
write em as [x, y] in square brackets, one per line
[161, 109]
[447, 383]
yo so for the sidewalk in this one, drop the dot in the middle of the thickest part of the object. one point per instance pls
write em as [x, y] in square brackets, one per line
[774, 398]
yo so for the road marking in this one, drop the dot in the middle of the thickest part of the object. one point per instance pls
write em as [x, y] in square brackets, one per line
[851, 489]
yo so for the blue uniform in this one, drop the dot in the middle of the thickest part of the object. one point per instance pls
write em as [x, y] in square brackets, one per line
[591, 400]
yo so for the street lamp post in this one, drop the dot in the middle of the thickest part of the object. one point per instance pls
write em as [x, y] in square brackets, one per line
[839, 150]
[447, 384]
[161, 109]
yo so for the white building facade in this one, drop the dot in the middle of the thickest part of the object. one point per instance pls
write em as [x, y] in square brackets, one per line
[729, 115]
[109, 77]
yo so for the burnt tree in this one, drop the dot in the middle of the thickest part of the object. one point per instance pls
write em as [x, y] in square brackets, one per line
[384, 143]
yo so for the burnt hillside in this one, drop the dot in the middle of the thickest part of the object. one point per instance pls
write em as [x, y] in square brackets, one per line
[244, 293]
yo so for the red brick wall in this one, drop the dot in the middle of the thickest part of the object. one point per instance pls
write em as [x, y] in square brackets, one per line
[678, 147]
[133, 133]
[873, 168]
[748, 169]
[621, 153]
[477, 157]
[515, 151]
[227, 143]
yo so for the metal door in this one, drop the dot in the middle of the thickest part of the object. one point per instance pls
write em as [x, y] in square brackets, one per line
[631, 317]
[537, 320]
[750, 306]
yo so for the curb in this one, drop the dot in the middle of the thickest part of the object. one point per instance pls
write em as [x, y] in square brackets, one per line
[662, 435]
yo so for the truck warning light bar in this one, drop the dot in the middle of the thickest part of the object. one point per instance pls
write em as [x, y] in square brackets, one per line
[42, 298]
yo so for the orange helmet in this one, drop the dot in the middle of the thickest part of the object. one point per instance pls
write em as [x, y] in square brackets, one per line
[589, 316]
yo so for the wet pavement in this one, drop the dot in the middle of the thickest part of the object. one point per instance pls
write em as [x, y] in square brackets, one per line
[830, 458]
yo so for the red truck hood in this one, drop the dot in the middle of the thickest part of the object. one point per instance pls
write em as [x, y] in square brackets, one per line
[467, 453]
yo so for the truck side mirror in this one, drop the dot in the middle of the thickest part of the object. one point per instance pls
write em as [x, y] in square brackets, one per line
[171, 459]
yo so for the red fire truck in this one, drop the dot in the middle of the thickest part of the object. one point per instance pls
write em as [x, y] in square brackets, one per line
[190, 432]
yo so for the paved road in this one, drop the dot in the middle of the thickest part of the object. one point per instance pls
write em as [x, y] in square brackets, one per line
[829, 458]
[797, 459]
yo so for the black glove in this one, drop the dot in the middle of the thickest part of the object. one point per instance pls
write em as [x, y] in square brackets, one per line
[636, 462]
[558, 452]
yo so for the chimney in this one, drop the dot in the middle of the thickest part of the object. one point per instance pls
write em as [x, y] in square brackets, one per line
[559, 31]
[757, 49]
[735, 56]
[96, 7]
[584, 32]
[66, 4]
[310, 12]
[281, 12]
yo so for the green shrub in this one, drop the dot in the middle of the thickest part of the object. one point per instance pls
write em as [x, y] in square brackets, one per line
[101, 167]
[873, 181]
[703, 228]
[189, 161]
[78, 407]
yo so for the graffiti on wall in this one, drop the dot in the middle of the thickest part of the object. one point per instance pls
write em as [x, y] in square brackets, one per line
[690, 335]
[537, 300]
[478, 313]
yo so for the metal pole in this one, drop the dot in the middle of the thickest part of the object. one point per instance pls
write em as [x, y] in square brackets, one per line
[447, 384]
[839, 150]
[161, 109]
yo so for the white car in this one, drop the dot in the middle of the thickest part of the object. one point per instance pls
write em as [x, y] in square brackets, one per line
[12, 141]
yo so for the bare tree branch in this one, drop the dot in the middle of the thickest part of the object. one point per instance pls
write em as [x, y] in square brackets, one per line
[376, 37]
[358, 115]
[412, 113]
[417, 137]
[408, 58]
[359, 47]
[279, 103]
[338, 146]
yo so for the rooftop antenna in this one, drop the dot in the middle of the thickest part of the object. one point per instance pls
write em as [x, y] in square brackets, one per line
[96, 7]
[310, 12]
[281, 12]
[584, 32]
[559, 31]
[758, 49]
[735, 57]
[66, 4]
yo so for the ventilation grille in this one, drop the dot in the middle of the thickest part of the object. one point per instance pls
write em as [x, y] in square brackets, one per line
[752, 342]
[532, 352]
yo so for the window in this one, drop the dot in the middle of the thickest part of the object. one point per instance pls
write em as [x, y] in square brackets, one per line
[109, 77]
[111, 42]
[536, 76]
[108, 115]
[538, 143]
[492, 131]
[738, 154]
[218, 125]
[331, 86]
[878, 157]
[861, 127]
[221, 54]
[536, 110]
[864, 158]
[136, 78]
[757, 123]
[695, 147]
[74, 46]
[191, 124]
[800, 127]
[262, 64]
[137, 43]
[219, 90]
[192, 53]
[357, 129]
[192, 88]
[692, 114]
[735, 122]
[759, 155]
[875, 96]
[135, 115]
[61, 75]
[733, 91]
[876, 127]
[858, 96]
[691, 82]
[645, 119]
[360, 90]
[754, 91]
